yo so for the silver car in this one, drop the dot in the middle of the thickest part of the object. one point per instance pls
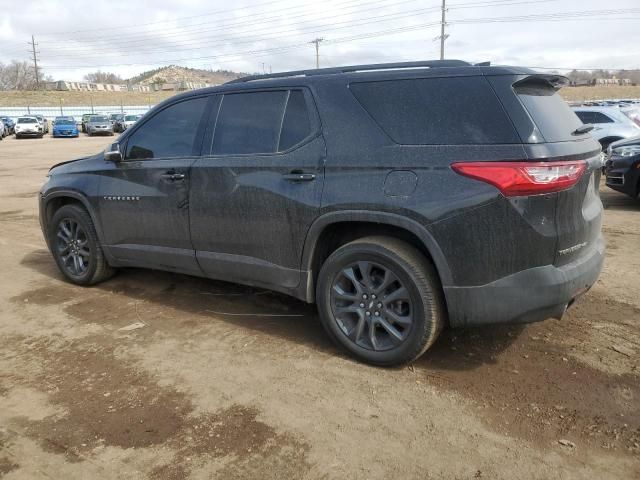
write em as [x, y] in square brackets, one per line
[99, 125]
[610, 124]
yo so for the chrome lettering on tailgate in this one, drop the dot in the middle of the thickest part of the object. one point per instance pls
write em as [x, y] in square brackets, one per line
[575, 248]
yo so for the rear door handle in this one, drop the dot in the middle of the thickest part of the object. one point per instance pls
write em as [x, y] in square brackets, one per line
[299, 176]
[173, 176]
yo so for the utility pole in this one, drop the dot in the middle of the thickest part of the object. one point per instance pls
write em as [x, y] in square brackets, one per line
[442, 24]
[317, 43]
[35, 60]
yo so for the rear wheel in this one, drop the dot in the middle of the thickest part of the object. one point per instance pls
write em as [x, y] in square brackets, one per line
[75, 247]
[380, 299]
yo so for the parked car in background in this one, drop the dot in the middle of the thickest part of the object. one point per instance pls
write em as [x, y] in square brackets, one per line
[99, 125]
[610, 124]
[400, 198]
[44, 122]
[28, 126]
[85, 119]
[9, 125]
[633, 112]
[623, 167]
[65, 127]
[114, 117]
[128, 121]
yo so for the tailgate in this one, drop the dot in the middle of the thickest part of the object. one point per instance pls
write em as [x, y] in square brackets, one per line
[579, 215]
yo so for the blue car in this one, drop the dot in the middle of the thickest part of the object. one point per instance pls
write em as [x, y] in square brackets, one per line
[65, 127]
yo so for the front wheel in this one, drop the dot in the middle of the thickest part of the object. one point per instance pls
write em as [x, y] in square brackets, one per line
[75, 246]
[380, 299]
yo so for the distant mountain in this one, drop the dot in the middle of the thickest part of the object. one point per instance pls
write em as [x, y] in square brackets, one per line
[174, 73]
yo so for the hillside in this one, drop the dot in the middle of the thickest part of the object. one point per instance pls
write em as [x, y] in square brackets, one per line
[173, 73]
[15, 98]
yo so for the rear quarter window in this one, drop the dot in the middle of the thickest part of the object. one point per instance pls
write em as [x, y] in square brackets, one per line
[437, 111]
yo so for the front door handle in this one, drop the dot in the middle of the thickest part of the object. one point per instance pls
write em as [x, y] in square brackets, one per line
[299, 176]
[173, 176]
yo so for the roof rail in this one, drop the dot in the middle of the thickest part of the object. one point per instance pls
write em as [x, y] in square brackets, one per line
[355, 68]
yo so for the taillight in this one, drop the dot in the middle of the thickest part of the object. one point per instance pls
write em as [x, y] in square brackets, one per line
[524, 178]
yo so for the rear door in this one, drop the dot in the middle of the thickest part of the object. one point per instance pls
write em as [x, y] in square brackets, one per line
[257, 190]
[144, 200]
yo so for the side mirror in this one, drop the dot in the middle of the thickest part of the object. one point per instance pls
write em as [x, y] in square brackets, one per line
[113, 153]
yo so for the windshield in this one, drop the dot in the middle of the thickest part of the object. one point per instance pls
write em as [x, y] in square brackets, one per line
[130, 118]
[64, 121]
[115, 116]
[27, 120]
[98, 119]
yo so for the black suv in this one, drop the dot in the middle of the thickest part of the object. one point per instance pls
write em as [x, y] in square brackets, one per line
[399, 197]
[623, 167]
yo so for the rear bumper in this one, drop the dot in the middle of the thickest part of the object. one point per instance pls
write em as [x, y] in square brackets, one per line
[527, 296]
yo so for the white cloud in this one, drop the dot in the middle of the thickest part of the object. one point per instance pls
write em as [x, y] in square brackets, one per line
[126, 37]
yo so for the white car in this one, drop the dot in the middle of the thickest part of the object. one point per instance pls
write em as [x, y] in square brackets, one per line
[28, 127]
[3, 131]
[129, 120]
[610, 124]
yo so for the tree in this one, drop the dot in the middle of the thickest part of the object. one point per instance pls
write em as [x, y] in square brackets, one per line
[18, 76]
[103, 77]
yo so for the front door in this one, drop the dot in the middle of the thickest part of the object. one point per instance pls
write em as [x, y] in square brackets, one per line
[256, 193]
[144, 200]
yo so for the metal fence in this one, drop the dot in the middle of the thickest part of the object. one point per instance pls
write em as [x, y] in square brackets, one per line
[75, 112]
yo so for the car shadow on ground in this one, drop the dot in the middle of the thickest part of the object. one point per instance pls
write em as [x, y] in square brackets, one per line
[612, 200]
[260, 310]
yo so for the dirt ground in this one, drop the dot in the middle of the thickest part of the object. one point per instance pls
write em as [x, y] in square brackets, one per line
[209, 387]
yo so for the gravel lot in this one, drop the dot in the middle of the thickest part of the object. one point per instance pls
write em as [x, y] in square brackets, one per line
[197, 393]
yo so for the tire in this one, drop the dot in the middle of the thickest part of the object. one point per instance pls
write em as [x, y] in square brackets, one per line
[419, 304]
[96, 269]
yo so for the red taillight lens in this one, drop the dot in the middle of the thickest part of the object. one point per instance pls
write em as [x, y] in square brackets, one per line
[524, 178]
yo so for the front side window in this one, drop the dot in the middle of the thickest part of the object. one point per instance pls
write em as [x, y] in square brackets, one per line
[169, 133]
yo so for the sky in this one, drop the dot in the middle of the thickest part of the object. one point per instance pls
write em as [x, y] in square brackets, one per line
[128, 37]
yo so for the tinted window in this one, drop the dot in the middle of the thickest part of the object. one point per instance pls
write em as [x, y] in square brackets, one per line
[437, 111]
[27, 120]
[549, 111]
[249, 123]
[169, 133]
[600, 118]
[296, 125]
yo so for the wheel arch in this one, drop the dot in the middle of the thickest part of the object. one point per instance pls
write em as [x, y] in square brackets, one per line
[54, 201]
[606, 141]
[334, 229]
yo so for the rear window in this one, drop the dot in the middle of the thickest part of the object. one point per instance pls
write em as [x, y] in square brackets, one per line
[437, 111]
[548, 110]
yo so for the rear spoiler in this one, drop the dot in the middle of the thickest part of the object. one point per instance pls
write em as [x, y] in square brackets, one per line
[554, 81]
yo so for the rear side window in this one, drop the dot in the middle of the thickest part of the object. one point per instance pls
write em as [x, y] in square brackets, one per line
[249, 123]
[296, 125]
[548, 110]
[169, 133]
[437, 111]
[593, 117]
